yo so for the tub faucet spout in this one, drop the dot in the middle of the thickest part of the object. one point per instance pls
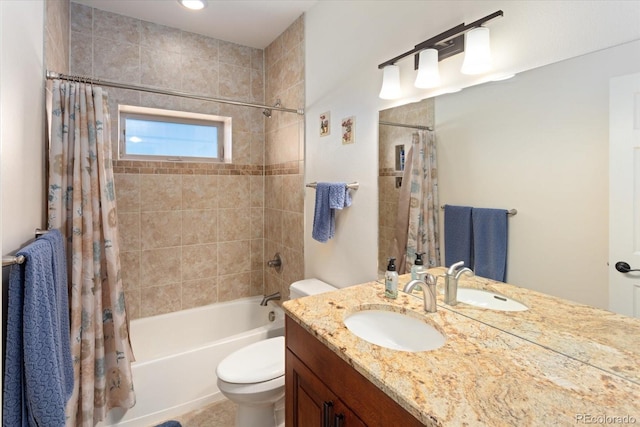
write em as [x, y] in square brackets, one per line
[427, 282]
[268, 298]
[451, 282]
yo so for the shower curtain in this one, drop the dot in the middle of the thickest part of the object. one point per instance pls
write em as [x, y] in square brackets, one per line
[417, 219]
[81, 204]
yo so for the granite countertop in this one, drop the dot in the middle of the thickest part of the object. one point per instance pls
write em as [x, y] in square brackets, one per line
[481, 376]
[592, 335]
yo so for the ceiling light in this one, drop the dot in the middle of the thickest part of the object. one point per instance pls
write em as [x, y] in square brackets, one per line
[390, 82]
[193, 4]
[428, 72]
[477, 55]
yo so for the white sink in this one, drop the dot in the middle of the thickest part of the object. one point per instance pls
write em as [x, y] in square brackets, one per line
[394, 330]
[487, 299]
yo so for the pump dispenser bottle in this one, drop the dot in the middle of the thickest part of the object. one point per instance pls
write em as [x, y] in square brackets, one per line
[417, 267]
[391, 280]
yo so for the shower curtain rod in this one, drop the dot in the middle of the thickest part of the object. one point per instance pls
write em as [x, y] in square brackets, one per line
[110, 83]
[405, 126]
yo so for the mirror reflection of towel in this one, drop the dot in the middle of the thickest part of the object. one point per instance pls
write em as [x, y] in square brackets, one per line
[458, 235]
[490, 243]
[329, 197]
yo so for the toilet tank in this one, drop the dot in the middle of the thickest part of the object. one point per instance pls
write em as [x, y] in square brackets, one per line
[306, 287]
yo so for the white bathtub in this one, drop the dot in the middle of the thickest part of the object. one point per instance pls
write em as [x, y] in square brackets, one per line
[177, 355]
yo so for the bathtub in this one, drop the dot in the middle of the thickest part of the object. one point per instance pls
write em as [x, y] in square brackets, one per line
[177, 355]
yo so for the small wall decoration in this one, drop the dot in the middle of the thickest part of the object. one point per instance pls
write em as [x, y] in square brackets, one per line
[349, 130]
[325, 123]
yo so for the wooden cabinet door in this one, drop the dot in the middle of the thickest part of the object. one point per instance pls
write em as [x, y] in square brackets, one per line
[311, 403]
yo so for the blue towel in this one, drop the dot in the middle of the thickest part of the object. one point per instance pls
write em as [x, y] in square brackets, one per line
[170, 424]
[329, 197]
[458, 235]
[490, 243]
[38, 365]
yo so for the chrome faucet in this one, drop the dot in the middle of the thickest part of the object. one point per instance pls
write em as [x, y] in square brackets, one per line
[427, 282]
[268, 298]
[451, 282]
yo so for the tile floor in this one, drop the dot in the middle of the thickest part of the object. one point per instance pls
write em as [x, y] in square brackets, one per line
[218, 414]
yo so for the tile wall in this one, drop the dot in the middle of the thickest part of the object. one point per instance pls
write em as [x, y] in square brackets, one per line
[420, 113]
[284, 159]
[56, 36]
[193, 234]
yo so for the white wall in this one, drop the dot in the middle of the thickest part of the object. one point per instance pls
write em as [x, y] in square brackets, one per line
[21, 124]
[539, 143]
[21, 121]
[346, 40]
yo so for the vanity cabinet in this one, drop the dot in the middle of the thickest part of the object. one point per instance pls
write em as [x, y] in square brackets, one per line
[322, 390]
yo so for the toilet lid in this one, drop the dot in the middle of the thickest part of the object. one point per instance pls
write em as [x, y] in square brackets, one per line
[257, 362]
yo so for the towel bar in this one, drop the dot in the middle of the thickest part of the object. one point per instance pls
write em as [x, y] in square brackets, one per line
[10, 260]
[351, 186]
[510, 212]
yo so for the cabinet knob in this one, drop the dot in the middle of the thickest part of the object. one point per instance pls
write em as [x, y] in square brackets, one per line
[338, 421]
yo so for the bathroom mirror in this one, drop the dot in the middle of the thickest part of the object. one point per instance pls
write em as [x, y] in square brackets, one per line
[537, 143]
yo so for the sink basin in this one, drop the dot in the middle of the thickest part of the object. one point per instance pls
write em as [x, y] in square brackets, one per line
[487, 299]
[394, 330]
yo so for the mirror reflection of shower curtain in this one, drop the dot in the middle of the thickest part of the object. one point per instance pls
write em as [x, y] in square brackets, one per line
[417, 220]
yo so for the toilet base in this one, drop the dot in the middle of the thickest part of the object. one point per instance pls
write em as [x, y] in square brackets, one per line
[256, 416]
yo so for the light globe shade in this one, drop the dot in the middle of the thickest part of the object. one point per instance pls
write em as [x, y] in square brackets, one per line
[390, 82]
[477, 51]
[193, 4]
[428, 72]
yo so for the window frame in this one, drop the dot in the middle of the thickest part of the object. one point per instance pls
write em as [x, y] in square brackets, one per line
[222, 123]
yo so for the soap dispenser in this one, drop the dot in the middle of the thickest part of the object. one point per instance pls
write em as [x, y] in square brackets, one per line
[391, 280]
[417, 267]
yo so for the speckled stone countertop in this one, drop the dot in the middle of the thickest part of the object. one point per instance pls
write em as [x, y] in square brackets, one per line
[601, 338]
[481, 376]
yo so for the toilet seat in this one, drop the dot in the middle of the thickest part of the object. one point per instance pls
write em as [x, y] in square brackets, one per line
[257, 362]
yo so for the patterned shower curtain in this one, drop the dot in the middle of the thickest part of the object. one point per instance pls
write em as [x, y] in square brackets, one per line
[417, 220]
[81, 204]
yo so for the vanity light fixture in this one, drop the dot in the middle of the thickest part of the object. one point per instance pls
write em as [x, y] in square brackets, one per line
[428, 53]
[193, 4]
[390, 82]
[428, 71]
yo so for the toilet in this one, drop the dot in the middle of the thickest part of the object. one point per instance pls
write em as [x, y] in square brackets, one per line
[253, 376]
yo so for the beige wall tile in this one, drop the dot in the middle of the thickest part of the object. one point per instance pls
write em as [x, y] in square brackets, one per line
[127, 192]
[236, 191]
[234, 224]
[117, 28]
[129, 231]
[160, 38]
[199, 226]
[81, 17]
[160, 267]
[233, 257]
[235, 54]
[171, 224]
[114, 60]
[234, 286]
[199, 261]
[130, 269]
[160, 300]
[199, 46]
[160, 192]
[162, 69]
[196, 293]
[160, 229]
[200, 191]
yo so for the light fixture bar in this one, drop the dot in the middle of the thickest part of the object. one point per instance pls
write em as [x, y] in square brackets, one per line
[455, 33]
